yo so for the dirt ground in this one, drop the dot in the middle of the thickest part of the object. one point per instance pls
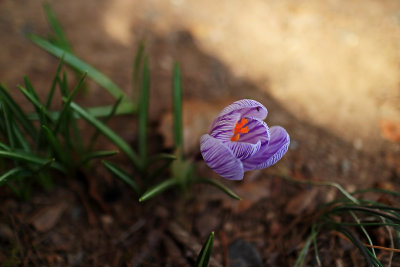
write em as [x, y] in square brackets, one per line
[327, 71]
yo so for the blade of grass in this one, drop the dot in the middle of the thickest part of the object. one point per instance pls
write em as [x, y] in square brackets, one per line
[314, 234]
[69, 122]
[364, 231]
[158, 189]
[370, 259]
[110, 134]
[35, 102]
[205, 253]
[61, 39]
[377, 190]
[124, 107]
[100, 111]
[21, 138]
[54, 83]
[56, 146]
[366, 210]
[17, 112]
[304, 251]
[40, 141]
[177, 103]
[30, 158]
[217, 184]
[41, 168]
[161, 156]
[29, 87]
[136, 72]
[8, 174]
[144, 112]
[318, 183]
[121, 174]
[4, 147]
[66, 106]
[80, 65]
[7, 124]
[63, 84]
[362, 223]
[105, 120]
[15, 137]
[95, 155]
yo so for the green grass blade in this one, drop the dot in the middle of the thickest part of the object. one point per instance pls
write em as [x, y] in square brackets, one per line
[364, 231]
[370, 259]
[363, 223]
[4, 147]
[7, 125]
[54, 83]
[95, 155]
[303, 252]
[63, 83]
[158, 189]
[41, 168]
[21, 138]
[101, 111]
[17, 112]
[125, 107]
[3, 131]
[105, 120]
[217, 184]
[205, 253]
[62, 119]
[11, 131]
[80, 65]
[110, 134]
[30, 158]
[40, 141]
[366, 210]
[177, 102]
[377, 190]
[35, 102]
[136, 72]
[119, 173]
[60, 38]
[8, 174]
[144, 112]
[162, 156]
[30, 88]
[56, 146]
[314, 234]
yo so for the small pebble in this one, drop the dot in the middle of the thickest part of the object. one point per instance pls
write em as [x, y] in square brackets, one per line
[243, 254]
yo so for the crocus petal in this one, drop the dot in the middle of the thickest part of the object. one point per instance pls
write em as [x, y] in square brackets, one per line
[277, 147]
[220, 158]
[258, 131]
[247, 108]
[223, 127]
[242, 150]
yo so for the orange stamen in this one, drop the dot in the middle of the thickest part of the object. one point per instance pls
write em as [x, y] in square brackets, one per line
[235, 137]
[239, 129]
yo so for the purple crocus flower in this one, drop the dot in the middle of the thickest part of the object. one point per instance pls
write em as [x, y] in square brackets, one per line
[241, 141]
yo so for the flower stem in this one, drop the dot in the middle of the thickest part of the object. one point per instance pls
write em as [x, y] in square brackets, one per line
[318, 183]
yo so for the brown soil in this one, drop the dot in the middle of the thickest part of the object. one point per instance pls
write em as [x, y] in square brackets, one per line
[327, 73]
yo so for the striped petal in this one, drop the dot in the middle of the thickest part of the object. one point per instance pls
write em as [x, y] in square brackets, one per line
[242, 150]
[220, 158]
[247, 108]
[223, 127]
[277, 147]
[258, 131]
